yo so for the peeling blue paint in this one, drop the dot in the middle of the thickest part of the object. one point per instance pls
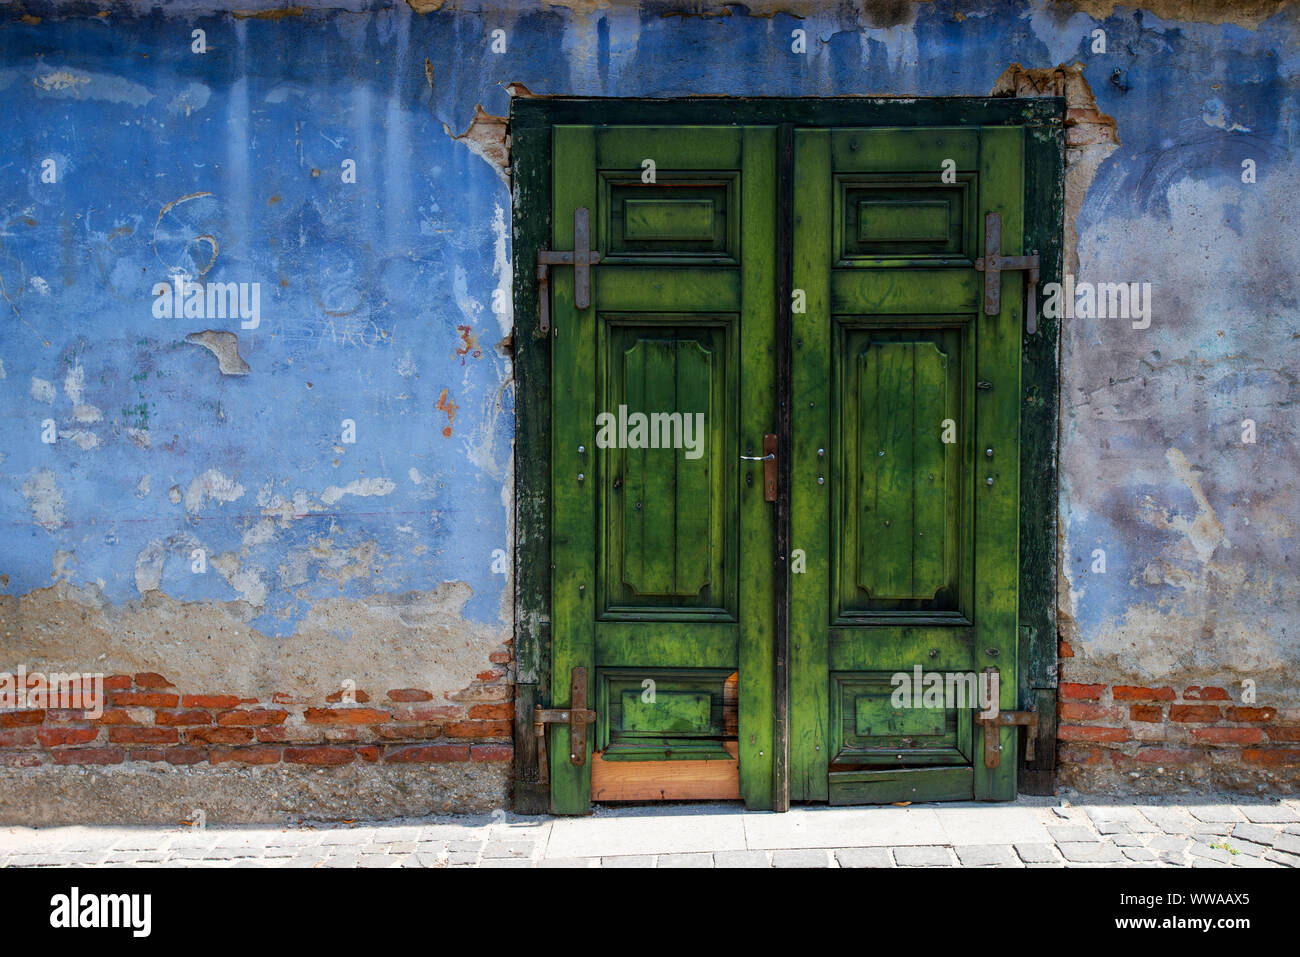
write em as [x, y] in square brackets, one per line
[364, 285]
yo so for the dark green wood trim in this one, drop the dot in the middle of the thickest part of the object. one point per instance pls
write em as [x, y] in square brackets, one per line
[529, 125]
[1039, 427]
[531, 218]
[541, 112]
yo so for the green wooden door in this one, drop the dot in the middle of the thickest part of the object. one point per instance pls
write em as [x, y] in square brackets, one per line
[662, 542]
[905, 463]
[904, 455]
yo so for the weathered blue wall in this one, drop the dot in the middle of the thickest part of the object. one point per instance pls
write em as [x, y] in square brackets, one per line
[316, 547]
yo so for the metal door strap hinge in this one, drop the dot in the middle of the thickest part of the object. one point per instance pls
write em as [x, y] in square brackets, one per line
[577, 716]
[992, 748]
[992, 264]
[581, 259]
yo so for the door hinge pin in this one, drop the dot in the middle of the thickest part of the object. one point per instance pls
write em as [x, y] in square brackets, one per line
[577, 716]
[993, 264]
[581, 259]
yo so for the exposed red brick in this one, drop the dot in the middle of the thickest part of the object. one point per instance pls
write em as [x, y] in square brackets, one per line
[143, 699]
[251, 717]
[318, 755]
[428, 753]
[55, 737]
[117, 682]
[253, 755]
[1134, 693]
[143, 735]
[1069, 732]
[1077, 692]
[478, 729]
[115, 716]
[89, 756]
[18, 719]
[181, 719]
[144, 754]
[1068, 710]
[1073, 755]
[1279, 732]
[1146, 712]
[1168, 755]
[18, 737]
[358, 697]
[185, 755]
[64, 715]
[491, 752]
[1271, 756]
[1251, 714]
[500, 657]
[1195, 713]
[1228, 735]
[346, 715]
[209, 701]
[492, 675]
[409, 694]
[440, 712]
[219, 735]
[492, 711]
[1063, 650]
[267, 735]
[150, 679]
[479, 693]
[368, 752]
[409, 732]
[23, 759]
[1196, 693]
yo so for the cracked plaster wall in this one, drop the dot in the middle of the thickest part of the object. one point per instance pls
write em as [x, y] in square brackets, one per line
[330, 559]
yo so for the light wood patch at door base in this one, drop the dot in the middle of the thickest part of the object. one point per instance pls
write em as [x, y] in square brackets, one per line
[666, 780]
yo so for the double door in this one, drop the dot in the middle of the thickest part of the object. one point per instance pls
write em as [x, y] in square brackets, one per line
[784, 463]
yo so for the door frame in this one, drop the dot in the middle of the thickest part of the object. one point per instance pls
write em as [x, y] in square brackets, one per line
[529, 135]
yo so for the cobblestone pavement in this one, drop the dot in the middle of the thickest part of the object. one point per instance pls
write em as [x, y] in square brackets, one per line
[1028, 833]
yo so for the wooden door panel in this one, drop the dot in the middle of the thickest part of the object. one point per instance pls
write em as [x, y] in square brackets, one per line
[901, 515]
[668, 500]
[891, 481]
[648, 517]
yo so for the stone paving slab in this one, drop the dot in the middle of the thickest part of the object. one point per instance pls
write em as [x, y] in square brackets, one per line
[1030, 832]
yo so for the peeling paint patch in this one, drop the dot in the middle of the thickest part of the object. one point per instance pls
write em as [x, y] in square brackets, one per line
[468, 344]
[149, 567]
[247, 583]
[80, 438]
[223, 345]
[361, 487]
[211, 485]
[82, 85]
[42, 390]
[486, 139]
[450, 407]
[45, 499]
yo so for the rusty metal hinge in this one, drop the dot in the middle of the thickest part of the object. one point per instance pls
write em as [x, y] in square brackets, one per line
[992, 747]
[992, 264]
[577, 716]
[581, 259]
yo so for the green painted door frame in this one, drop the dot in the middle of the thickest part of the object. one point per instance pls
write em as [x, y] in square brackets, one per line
[801, 137]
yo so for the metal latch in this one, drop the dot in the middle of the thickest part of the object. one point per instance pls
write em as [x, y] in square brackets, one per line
[992, 749]
[577, 716]
[581, 259]
[768, 458]
[992, 264]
